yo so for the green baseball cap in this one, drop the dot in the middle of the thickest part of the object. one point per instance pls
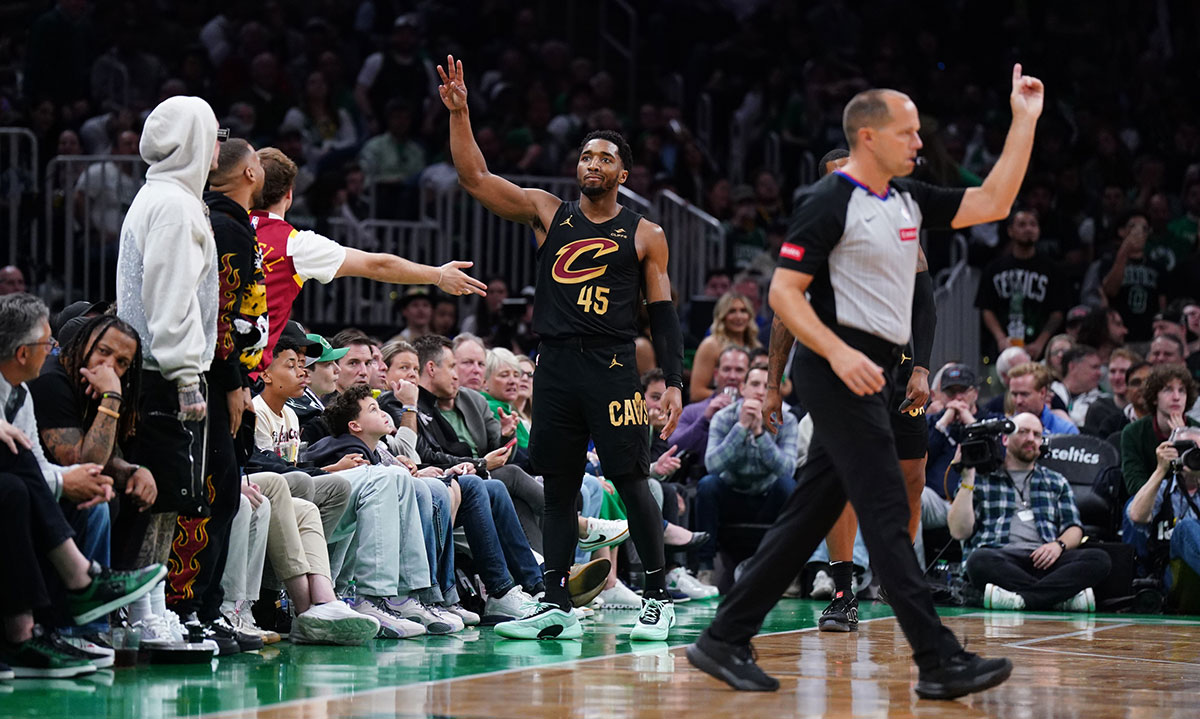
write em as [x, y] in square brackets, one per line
[328, 353]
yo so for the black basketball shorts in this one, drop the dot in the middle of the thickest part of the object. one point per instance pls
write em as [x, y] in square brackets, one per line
[582, 392]
[909, 427]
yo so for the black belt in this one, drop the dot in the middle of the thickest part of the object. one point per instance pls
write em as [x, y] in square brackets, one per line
[882, 352]
[585, 342]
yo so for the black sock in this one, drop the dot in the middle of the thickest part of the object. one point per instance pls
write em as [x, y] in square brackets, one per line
[656, 582]
[556, 589]
[843, 577]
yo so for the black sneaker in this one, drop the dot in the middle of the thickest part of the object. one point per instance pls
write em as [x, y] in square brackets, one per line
[45, 658]
[731, 663]
[962, 674]
[198, 632]
[841, 615]
[271, 613]
[246, 642]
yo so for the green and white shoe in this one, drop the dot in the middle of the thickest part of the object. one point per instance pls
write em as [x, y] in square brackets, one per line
[654, 622]
[546, 621]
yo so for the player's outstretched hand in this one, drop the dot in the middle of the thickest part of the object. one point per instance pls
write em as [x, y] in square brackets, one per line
[454, 87]
[857, 371]
[672, 402]
[453, 281]
[1028, 94]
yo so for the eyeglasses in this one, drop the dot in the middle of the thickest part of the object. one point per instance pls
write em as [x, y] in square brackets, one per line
[53, 345]
[1134, 382]
[222, 134]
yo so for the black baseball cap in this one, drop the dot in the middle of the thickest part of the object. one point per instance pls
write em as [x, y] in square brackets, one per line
[295, 334]
[957, 375]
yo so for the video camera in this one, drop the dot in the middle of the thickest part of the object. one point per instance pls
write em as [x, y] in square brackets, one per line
[983, 446]
[1189, 455]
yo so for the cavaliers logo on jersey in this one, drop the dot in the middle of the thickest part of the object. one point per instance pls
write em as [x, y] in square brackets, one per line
[565, 271]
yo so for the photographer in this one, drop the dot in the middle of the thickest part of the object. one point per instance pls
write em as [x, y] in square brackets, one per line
[1021, 530]
[1178, 464]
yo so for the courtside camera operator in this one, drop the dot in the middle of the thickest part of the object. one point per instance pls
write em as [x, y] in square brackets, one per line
[1173, 526]
[1021, 530]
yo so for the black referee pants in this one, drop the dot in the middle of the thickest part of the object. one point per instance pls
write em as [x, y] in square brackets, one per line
[853, 456]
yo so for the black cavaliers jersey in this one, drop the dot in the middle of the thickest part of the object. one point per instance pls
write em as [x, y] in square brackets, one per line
[588, 276]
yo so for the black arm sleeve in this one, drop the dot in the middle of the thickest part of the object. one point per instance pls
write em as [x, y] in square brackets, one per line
[668, 341]
[924, 320]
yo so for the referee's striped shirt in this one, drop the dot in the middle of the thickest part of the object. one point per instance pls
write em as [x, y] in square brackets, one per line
[861, 249]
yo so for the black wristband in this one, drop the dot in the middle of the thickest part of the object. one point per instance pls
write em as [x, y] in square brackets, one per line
[1062, 544]
[668, 341]
[924, 319]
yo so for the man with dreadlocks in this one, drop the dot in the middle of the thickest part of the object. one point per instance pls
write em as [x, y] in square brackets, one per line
[84, 402]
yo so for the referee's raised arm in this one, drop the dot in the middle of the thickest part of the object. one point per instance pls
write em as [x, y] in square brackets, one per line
[993, 200]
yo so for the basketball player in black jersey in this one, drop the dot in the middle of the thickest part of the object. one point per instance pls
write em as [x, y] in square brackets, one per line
[594, 257]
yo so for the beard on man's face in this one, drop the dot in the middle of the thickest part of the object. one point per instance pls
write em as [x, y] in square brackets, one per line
[597, 190]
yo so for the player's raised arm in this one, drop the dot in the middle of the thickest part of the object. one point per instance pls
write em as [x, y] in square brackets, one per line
[528, 206]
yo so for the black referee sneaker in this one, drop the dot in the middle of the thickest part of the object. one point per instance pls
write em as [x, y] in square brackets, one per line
[853, 244]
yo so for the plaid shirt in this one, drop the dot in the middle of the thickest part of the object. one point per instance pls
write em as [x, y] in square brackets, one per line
[996, 502]
[750, 464]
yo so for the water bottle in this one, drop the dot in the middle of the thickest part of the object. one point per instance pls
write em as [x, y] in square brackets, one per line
[351, 592]
[1016, 319]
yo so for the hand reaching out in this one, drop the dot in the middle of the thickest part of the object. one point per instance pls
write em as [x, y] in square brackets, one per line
[453, 281]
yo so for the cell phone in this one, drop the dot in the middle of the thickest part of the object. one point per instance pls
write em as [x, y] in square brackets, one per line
[905, 405]
[511, 443]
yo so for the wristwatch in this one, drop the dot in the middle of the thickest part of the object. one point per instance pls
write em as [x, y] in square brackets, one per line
[1062, 544]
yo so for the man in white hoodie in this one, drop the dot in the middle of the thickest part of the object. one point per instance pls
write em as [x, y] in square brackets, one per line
[167, 290]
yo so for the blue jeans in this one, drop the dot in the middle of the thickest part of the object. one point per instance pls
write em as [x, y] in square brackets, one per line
[95, 541]
[363, 546]
[1185, 543]
[501, 551]
[439, 547]
[592, 493]
[1135, 535]
[717, 503]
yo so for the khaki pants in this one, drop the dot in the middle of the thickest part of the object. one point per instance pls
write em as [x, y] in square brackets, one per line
[295, 540]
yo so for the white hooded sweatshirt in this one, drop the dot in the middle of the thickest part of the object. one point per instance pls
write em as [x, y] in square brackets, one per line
[167, 271]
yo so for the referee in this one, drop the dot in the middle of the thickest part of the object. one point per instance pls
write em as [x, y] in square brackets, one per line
[852, 246]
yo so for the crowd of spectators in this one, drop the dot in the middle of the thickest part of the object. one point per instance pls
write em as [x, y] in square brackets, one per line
[1087, 290]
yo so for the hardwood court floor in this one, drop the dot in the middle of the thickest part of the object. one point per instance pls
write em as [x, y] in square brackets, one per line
[1066, 666]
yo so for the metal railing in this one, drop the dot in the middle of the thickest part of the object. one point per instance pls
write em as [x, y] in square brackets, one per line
[86, 197]
[739, 140]
[354, 301]
[625, 47]
[773, 153]
[957, 336]
[704, 119]
[696, 240]
[19, 164]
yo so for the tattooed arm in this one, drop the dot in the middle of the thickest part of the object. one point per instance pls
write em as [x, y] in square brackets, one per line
[69, 445]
